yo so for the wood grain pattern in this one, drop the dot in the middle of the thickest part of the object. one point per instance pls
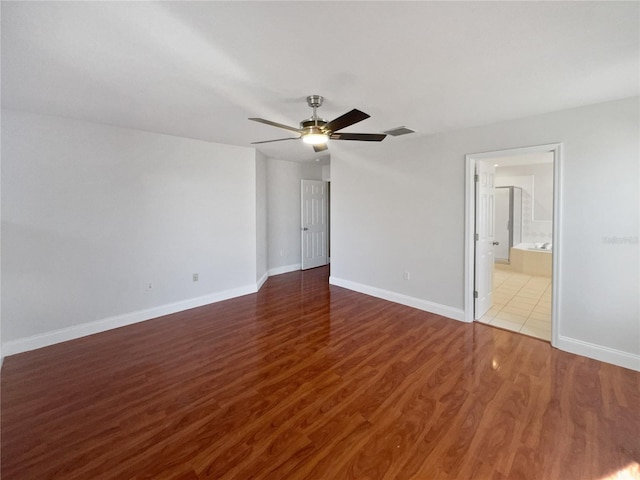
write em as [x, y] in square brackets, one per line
[307, 381]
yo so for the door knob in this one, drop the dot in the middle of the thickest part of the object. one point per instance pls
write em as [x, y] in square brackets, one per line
[304, 229]
[496, 243]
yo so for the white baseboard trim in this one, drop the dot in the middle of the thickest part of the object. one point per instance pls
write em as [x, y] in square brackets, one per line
[70, 333]
[598, 352]
[284, 269]
[425, 305]
[261, 281]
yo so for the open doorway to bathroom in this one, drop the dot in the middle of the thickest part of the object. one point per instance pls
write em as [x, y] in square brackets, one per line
[523, 252]
[520, 280]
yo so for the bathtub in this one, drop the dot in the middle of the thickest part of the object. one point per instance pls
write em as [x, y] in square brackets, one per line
[532, 259]
[538, 247]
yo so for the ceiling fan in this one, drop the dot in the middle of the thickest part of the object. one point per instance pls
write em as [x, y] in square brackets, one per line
[317, 131]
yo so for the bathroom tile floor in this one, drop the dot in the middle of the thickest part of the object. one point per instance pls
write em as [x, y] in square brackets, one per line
[521, 303]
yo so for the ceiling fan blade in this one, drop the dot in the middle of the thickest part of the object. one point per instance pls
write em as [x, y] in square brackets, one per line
[349, 118]
[320, 148]
[277, 140]
[276, 124]
[363, 137]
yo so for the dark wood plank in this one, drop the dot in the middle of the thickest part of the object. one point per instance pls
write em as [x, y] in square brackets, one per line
[307, 381]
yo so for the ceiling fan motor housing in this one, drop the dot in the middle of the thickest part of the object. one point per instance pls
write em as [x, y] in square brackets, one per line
[315, 101]
[313, 123]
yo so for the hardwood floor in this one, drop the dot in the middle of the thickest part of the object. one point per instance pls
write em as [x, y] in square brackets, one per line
[308, 381]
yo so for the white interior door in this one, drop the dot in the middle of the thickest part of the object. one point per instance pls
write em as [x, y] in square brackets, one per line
[314, 223]
[485, 236]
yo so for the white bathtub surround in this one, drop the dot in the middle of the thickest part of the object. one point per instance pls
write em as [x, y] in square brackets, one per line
[541, 247]
[530, 259]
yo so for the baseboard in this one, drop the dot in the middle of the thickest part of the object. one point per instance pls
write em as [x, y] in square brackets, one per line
[598, 352]
[284, 269]
[261, 281]
[70, 333]
[427, 306]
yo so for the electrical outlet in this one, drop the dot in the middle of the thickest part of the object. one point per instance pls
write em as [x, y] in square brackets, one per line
[195, 277]
[406, 275]
[282, 253]
[149, 286]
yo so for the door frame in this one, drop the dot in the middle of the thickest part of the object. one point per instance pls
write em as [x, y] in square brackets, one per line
[469, 244]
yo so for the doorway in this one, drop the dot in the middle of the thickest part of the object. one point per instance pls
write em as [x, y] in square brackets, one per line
[514, 286]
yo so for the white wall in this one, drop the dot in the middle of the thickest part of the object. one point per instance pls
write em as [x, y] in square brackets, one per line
[92, 214]
[399, 206]
[284, 212]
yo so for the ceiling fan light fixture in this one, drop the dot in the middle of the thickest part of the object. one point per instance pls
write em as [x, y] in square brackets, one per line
[315, 136]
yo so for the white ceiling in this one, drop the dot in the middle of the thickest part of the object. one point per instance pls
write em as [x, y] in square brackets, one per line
[199, 69]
